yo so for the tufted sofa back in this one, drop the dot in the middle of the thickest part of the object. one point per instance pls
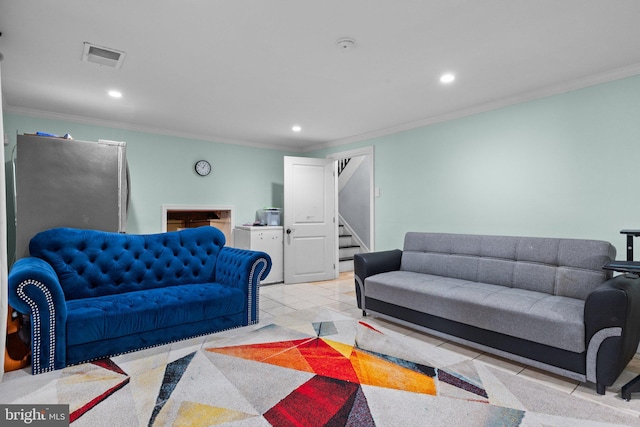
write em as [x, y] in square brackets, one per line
[563, 267]
[93, 263]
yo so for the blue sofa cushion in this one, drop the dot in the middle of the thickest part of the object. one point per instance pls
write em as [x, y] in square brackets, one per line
[119, 315]
[92, 263]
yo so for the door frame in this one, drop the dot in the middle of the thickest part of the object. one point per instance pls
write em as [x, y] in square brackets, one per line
[369, 153]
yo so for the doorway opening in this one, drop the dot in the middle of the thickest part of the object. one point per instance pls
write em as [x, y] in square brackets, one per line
[178, 217]
[356, 196]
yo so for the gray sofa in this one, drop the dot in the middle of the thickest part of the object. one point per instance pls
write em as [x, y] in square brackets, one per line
[545, 302]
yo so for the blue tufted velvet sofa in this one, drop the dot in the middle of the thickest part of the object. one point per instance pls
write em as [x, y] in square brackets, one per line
[93, 294]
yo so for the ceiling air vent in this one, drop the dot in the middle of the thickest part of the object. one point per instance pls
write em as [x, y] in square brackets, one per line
[102, 55]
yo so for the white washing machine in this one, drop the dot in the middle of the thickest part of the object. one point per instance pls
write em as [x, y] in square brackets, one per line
[269, 239]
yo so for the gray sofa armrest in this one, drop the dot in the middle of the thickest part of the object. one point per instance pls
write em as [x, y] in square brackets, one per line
[612, 319]
[368, 264]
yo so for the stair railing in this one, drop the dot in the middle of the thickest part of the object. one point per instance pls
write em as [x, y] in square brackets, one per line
[342, 163]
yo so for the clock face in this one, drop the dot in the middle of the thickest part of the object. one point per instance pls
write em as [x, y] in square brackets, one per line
[203, 168]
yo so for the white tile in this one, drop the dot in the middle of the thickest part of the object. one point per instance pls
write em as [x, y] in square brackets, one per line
[564, 384]
[319, 290]
[280, 310]
[348, 299]
[429, 339]
[291, 300]
[342, 307]
[301, 305]
[462, 350]
[298, 304]
[505, 364]
[320, 300]
[265, 317]
[390, 326]
[611, 398]
[269, 303]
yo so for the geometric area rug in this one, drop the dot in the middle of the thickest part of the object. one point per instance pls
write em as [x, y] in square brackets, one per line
[317, 368]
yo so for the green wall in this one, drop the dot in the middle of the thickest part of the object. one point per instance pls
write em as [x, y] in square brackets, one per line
[561, 166]
[161, 169]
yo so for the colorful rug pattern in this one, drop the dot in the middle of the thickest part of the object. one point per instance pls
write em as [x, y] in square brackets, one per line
[330, 371]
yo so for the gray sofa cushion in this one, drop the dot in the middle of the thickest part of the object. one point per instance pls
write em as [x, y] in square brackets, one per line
[561, 267]
[535, 316]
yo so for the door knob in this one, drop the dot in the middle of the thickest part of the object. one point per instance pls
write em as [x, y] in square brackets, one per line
[288, 231]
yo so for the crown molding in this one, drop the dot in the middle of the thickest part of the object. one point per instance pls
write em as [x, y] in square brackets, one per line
[49, 115]
[592, 80]
[564, 87]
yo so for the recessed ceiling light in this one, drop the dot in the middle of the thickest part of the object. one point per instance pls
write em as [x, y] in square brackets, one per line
[296, 128]
[115, 94]
[447, 78]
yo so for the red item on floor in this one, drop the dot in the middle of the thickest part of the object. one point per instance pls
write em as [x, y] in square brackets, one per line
[17, 354]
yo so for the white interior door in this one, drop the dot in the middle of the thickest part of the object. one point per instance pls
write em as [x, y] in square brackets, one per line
[310, 223]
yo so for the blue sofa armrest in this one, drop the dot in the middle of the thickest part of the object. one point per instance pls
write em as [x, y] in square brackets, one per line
[34, 289]
[243, 269]
[612, 316]
[368, 264]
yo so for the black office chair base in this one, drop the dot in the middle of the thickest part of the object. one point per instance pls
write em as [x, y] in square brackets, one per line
[632, 386]
[630, 268]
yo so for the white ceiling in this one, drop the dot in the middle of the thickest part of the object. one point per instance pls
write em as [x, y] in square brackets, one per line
[247, 70]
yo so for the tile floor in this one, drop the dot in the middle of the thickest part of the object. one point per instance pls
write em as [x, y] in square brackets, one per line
[339, 294]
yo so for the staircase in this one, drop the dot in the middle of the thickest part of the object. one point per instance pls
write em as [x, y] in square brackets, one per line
[347, 249]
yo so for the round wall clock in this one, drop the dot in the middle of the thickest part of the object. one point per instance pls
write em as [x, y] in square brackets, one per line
[202, 167]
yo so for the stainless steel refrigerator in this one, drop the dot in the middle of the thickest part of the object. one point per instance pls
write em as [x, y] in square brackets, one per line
[68, 183]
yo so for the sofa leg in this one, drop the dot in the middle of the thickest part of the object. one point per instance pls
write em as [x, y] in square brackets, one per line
[600, 388]
[364, 313]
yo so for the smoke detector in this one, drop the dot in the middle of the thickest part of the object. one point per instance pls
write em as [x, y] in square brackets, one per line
[104, 56]
[346, 43]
